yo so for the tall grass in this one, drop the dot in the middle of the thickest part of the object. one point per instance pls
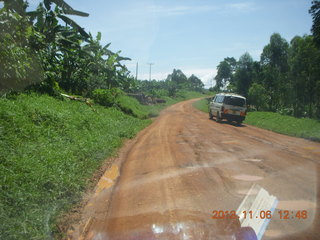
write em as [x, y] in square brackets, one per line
[49, 149]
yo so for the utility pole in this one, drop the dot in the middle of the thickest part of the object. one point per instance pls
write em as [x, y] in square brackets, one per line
[137, 68]
[150, 70]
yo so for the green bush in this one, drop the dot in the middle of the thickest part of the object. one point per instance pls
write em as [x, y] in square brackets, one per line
[258, 97]
[107, 97]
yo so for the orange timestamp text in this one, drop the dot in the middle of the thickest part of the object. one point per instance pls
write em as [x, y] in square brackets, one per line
[282, 214]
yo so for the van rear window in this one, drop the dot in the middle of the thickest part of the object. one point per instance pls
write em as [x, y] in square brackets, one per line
[240, 102]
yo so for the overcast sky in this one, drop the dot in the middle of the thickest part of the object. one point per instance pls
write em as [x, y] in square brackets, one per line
[191, 35]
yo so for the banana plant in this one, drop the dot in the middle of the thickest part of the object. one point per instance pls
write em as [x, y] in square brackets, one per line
[60, 11]
[105, 63]
[18, 6]
[68, 54]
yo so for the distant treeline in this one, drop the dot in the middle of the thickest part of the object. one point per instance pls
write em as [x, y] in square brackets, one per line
[287, 77]
[175, 81]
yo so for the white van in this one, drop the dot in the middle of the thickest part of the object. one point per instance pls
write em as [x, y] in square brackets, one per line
[228, 106]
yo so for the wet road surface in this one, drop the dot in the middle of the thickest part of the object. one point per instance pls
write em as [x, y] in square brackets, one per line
[167, 181]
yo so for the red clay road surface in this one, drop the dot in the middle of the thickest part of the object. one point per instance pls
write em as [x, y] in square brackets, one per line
[169, 179]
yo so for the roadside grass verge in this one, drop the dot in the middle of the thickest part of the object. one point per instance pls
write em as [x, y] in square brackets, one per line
[184, 95]
[202, 105]
[297, 127]
[49, 149]
[131, 106]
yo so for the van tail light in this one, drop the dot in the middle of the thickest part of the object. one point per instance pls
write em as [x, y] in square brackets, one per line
[242, 113]
[225, 111]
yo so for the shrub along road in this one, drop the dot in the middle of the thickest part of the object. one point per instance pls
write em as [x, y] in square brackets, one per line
[167, 181]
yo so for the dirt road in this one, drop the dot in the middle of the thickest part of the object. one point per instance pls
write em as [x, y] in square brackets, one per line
[169, 179]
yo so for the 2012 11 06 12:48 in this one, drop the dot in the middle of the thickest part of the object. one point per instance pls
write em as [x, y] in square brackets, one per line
[283, 214]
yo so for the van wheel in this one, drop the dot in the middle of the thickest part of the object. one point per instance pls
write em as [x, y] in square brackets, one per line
[210, 115]
[218, 119]
[239, 122]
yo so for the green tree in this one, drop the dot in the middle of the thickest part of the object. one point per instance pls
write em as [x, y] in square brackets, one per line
[304, 76]
[258, 97]
[19, 65]
[244, 74]
[225, 71]
[274, 65]
[69, 56]
[195, 84]
[59, 47]
[172, 88]
[178, 77]
[103, 68]
[38, 37]
[315, 13]
[18, 6]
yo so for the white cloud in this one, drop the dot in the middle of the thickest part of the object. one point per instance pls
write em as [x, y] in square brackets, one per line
[242, 6]
[180, 10]
[177, 10]
[162, 10]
